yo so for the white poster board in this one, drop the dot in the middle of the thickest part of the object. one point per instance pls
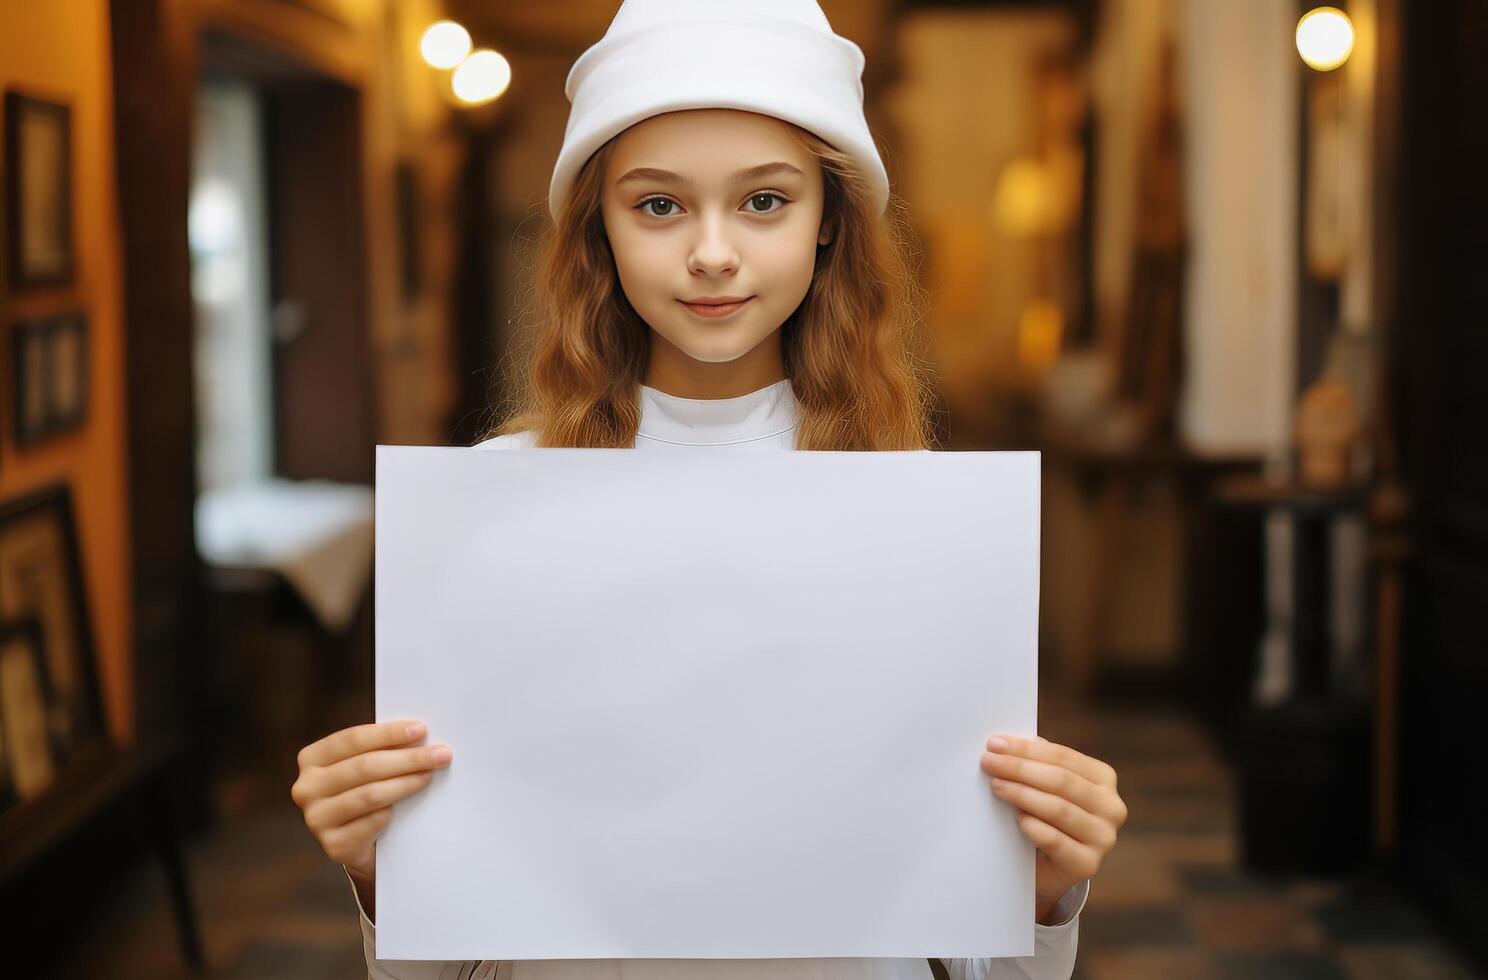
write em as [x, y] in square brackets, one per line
[706, 705]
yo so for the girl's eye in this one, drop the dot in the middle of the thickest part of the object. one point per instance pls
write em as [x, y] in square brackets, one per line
[657, 200]
[766, 197]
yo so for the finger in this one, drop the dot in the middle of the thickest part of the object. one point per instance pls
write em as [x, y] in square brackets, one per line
[358, 801]
[1043, 750]
[1061, 814]
[345, 843]
[372, 766]
[1071, 856]
[1051, 778]
[358, 739]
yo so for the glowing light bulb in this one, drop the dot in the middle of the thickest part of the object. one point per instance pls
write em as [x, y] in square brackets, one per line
[445, 44]
[1325, 38]
[1022, 204]
[482, 77]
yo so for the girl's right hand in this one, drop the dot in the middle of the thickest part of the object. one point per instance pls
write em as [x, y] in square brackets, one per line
[350, 779]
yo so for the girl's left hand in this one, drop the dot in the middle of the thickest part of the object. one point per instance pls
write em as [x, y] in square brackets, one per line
[1068, 807]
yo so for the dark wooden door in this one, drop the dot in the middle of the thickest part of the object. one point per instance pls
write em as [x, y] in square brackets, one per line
[1439, 361]
[323, 390]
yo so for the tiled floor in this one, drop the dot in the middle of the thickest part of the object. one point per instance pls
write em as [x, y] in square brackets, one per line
[1169, 901]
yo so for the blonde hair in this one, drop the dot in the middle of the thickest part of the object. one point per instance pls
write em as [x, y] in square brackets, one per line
[853, 349]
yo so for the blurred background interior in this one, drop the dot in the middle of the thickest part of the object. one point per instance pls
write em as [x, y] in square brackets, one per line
[1220, 261]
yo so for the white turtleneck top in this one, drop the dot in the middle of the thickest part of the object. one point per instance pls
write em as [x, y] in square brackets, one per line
[760, 420]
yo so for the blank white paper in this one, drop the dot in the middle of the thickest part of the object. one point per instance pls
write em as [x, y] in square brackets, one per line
[706, 705]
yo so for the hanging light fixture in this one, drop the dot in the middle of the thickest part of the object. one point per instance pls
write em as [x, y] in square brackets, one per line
[445, 44]
[1325, 38]
[481, 77]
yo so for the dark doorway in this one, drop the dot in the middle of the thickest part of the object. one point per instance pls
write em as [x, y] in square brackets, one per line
[1439, 360]
[313, 207]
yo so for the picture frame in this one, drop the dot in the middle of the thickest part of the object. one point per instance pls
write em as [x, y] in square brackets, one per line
[67, 371]
[44, 620]
[39, 207]
[28, 374]
[50, 371]
[28, 748]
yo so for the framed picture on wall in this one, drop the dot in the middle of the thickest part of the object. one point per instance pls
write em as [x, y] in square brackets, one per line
[28, 378]
[50, 371]
[67, 372]
[51, 713]
[38, 168]
[28, 750]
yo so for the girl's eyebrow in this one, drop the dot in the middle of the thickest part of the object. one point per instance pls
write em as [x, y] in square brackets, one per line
[748, 173]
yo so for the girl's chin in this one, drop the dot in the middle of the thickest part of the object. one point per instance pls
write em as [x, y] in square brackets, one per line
[715, 357]
[715, 350]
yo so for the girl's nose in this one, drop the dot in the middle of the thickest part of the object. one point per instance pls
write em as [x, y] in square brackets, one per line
[713, 252]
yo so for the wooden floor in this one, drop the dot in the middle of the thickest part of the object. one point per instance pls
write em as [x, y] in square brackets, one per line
[1169, 903]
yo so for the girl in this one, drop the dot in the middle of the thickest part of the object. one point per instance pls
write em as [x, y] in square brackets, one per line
[725, 273]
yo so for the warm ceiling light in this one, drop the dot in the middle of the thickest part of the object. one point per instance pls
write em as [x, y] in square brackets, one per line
[445, 44]
[1325, 38]
[482, 77]
[1022, 202]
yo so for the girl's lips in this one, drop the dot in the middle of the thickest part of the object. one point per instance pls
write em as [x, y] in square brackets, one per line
[713, 311]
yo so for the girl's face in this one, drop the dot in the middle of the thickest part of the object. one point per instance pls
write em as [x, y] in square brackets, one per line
[706, 205]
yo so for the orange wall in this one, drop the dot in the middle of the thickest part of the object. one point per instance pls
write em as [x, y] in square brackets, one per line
[59, 50]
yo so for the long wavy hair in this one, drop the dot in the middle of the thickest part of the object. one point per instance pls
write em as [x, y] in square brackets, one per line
[853, 349]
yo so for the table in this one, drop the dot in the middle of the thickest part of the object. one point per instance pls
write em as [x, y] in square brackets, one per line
[315, 534]
[1304, 761]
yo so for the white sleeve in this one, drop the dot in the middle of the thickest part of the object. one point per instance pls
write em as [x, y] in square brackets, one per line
[1054, 948]
[411, 969]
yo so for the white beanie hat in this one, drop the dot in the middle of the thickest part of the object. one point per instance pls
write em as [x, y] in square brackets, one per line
[775, 57]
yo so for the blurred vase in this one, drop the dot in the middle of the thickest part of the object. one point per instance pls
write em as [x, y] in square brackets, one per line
[1077, 389]
[1327, 430]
